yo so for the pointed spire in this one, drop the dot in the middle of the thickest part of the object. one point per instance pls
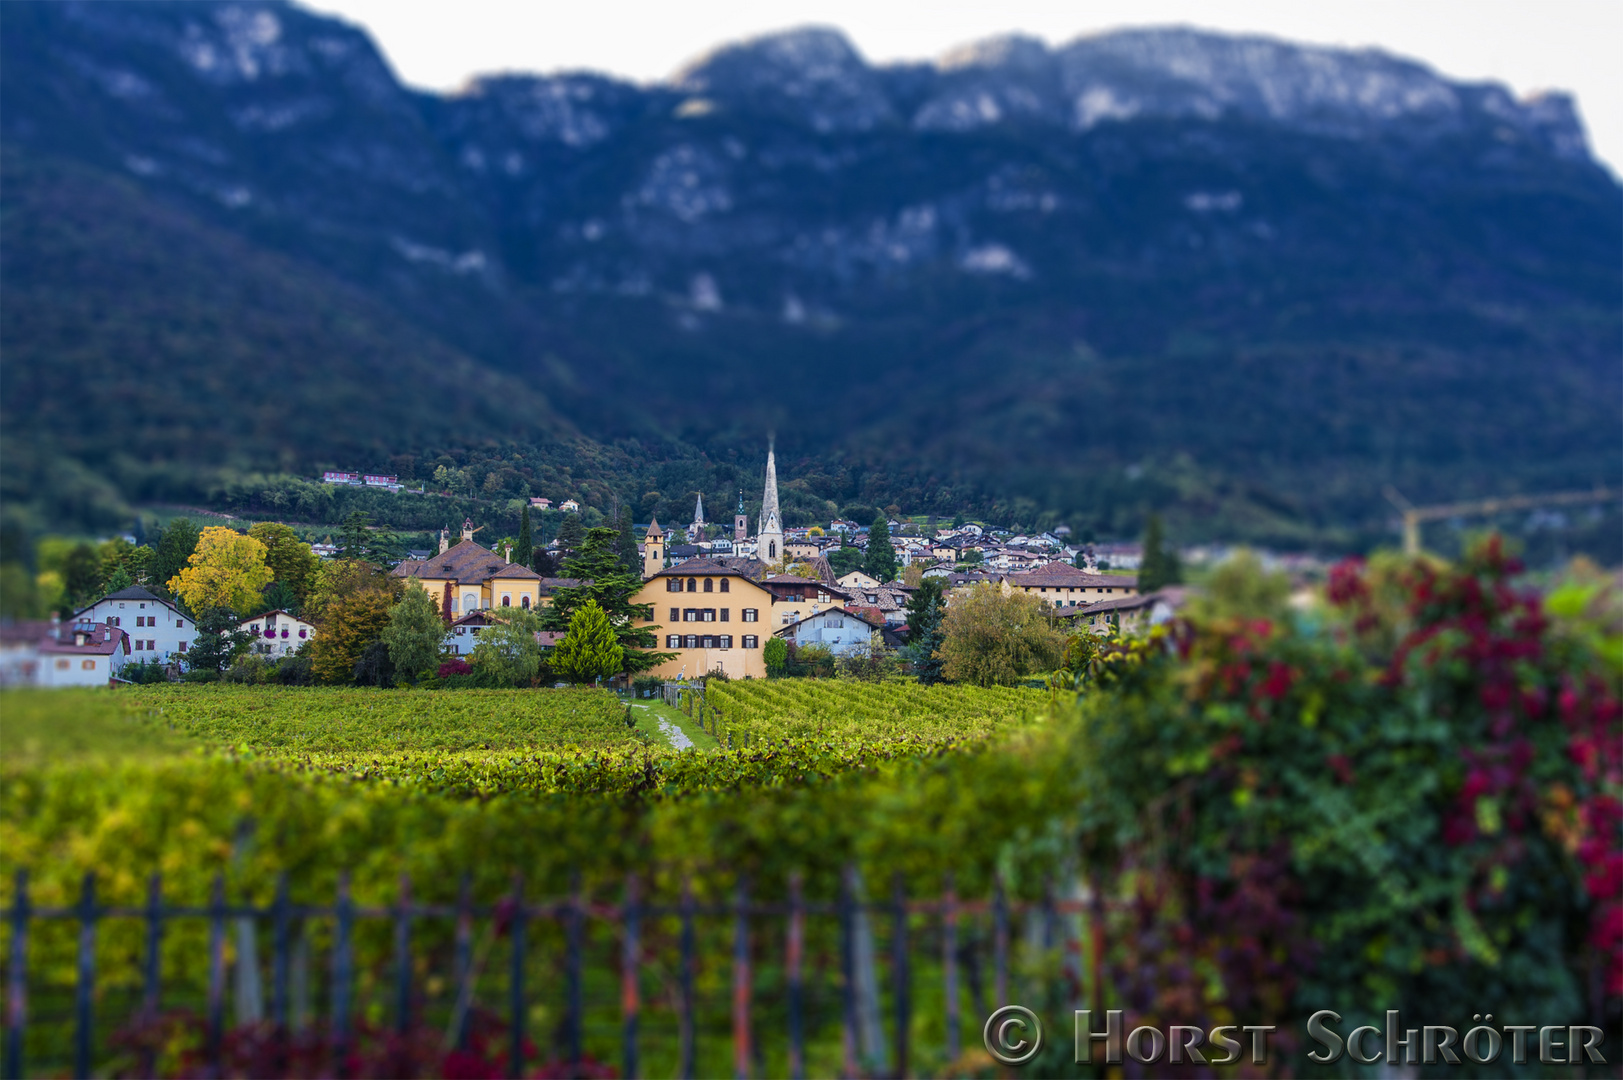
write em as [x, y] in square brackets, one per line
[654, 529]
[770, 519]
[698, 511]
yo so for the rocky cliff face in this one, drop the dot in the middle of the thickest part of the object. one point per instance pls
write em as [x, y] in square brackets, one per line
[1136, 245]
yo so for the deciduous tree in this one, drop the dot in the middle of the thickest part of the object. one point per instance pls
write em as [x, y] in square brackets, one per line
[226, 571]
[507, 654]
[217, 641]
[289, 558]
[590, 650]
[415, 633]
[994, 640]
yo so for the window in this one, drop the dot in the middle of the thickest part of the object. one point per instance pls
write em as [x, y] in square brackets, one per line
[690, 642]
[676, 614]
[709, 584]
[138, 644]
[725, 612]
[302, 633]
[152, 646]
[752, 614]
[112, 620]
[690, 614]
[507, 601]
[673, 641]
[183, 644]
[454, 605]
[723, 584]
[751, 641]
[693, 584]
[707, 615]
[180, 624]
[726, 641]
[673, 584]
[709, 642]
[87, 665]
[61, 665]
[525, 603]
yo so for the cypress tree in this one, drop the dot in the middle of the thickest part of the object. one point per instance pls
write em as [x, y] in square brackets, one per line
[1159, 566]
[526, 541]
[881, 561]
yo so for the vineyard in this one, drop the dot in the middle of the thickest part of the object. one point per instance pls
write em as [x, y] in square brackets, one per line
[287, 720]
[871, 712]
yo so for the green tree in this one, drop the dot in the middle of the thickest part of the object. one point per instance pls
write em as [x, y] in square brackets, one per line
[82, 575]
[218, 640]
[507, 653]
[590, 650]
[1242, 587]
[925, 610]
[971, 557]
[845, 559]
[1159, 567]
[880, 563]
[175, 546]
[627, 544]
[119, 579]
[776, 654]
[525, 547]
[360, 541]
[415, 633]
[353, 624]
[278, 597]
[994, 640]
[571, 533]
[289, 558]
[606, 582]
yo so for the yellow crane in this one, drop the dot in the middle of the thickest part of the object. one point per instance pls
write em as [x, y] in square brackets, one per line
[1414, 515]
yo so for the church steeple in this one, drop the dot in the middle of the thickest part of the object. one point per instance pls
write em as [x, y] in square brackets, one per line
[741, 521]
[769, 545]
[697, 530]
[653, 550]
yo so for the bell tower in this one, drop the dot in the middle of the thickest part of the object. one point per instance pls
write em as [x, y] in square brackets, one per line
[741, 521]
[653, 550]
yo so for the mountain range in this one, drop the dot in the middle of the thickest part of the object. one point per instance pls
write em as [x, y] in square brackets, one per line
[1247, 281]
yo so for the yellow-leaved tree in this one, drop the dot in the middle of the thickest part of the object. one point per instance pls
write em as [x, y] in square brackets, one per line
[226, 571]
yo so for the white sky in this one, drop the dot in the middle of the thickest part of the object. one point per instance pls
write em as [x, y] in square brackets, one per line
[1571, 45]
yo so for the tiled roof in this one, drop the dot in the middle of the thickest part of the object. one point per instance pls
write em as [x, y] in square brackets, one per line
[1069, 577]
[99, 639]
[467, 564]
[25, 632]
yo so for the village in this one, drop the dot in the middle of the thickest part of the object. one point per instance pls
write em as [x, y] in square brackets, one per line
[747, 582]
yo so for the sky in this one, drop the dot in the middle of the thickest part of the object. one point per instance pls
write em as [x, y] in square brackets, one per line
[1570, 45]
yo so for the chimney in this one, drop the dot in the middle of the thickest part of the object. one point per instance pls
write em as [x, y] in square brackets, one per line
[78, 638]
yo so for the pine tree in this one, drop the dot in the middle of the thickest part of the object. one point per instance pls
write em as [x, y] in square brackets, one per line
[925, 609]
[880, 563]
[415, 633]
[218, 641]
[1159, 566]
[571, 533]
[526, 539]
[606, 582]
[590, 650]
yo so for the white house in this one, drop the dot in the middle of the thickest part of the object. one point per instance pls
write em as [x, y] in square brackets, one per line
[840, 630]
[82, 653]
[156, 628]
[463, 635]
[19, 651]
[277, 634]
[569, 506]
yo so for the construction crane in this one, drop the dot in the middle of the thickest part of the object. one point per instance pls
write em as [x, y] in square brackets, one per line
[1414, 515]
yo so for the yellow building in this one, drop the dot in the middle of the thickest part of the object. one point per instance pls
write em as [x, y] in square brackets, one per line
[1064, 586]
[713, 615]
[475, 578]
